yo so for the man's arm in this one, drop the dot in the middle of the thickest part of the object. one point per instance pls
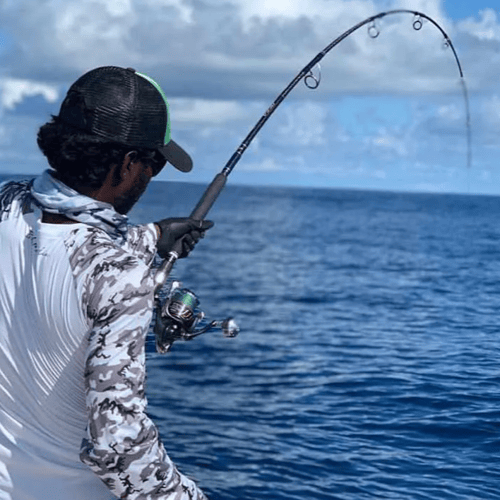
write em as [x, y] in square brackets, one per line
[122, 445]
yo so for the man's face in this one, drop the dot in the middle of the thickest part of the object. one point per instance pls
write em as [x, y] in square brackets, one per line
[124, 203]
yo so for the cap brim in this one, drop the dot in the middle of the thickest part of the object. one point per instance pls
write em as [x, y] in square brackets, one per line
[176, 156]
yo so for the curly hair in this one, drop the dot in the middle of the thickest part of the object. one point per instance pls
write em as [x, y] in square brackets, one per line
[82, 159]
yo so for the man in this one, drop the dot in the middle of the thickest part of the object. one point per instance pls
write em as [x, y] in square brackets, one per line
[76, 300]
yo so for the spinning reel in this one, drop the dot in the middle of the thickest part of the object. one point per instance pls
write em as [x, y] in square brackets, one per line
[178, 317]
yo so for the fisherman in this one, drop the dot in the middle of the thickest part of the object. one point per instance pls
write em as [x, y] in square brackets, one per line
[76, 300]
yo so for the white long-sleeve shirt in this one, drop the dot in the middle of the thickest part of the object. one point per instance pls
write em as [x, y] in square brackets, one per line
[75, 308]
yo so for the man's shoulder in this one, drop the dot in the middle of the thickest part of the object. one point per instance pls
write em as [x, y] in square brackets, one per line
[90, 246]
[99, 260]
[14, 195]
[106, 274]
[15, 186]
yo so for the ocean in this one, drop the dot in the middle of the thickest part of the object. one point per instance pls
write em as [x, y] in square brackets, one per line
[367, 366]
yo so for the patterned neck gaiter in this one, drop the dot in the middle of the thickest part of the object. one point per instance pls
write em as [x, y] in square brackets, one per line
[56, 198]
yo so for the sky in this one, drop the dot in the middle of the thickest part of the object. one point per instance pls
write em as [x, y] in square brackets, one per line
[389, 112]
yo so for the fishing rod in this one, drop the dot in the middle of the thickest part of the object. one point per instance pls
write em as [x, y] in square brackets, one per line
[312, 81]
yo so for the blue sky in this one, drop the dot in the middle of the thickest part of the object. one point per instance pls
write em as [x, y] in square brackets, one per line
[389, 112]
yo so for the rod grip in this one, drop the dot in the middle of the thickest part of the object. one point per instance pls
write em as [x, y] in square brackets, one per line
[209, 196]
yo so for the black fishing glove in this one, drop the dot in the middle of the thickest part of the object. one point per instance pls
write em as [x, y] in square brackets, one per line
[180, 235]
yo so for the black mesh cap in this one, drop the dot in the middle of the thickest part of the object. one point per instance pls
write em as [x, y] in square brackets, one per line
[123, 106]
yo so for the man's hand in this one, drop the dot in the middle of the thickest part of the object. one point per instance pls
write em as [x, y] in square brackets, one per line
[180, 235]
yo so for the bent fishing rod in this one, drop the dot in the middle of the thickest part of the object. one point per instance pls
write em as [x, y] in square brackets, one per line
[312, 81]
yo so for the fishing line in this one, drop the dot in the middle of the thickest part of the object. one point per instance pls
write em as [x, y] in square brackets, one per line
[312, 81]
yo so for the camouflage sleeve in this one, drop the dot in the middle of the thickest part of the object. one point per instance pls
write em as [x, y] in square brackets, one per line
[122, 445]
[141, 241]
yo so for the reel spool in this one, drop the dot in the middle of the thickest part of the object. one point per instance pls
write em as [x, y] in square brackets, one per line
[178, 317]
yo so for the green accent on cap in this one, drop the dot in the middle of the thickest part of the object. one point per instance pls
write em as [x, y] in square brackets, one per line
[164, 97]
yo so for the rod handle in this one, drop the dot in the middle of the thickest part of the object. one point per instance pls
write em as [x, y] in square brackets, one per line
[209, 196]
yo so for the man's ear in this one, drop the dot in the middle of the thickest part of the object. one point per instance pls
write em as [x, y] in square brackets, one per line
[121, 173]
[131, 156]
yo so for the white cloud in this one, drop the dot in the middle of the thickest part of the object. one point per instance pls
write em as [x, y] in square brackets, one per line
[119, 7]
[486, 29]
[212, 48]
[301, 125]
[432, 8]
[265, 165]
[184, 10]
[13, 91]
[450, 112]
[388, 142]
[316, 10]
[281, 8]
[196, 112]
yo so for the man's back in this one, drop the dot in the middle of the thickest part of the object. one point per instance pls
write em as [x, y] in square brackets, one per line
[43, 338]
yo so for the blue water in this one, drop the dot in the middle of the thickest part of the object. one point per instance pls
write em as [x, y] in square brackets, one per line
[368, 362]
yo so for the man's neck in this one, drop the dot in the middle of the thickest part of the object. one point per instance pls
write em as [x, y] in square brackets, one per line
[49, 218]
